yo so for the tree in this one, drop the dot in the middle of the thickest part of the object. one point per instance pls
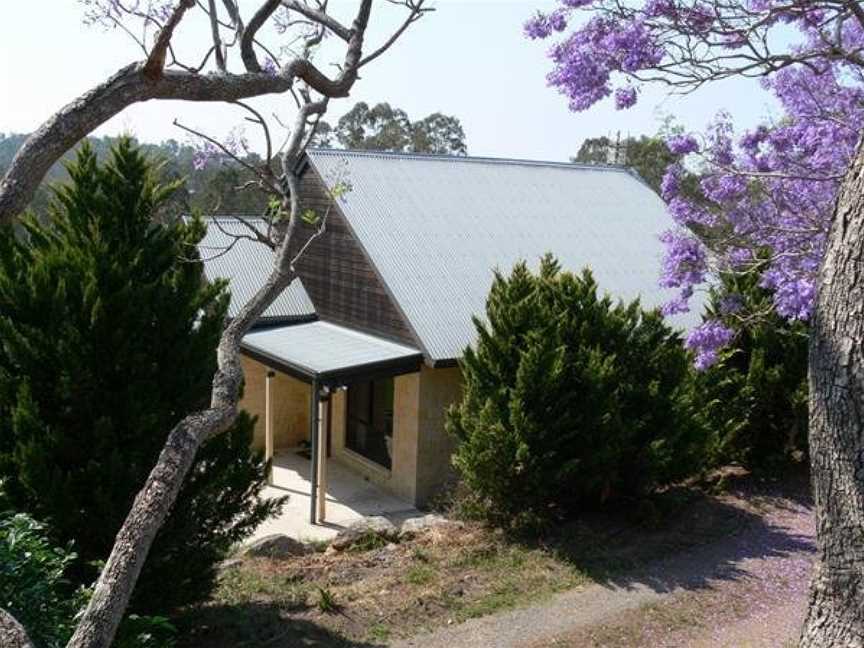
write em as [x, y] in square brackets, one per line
[650, 157]
[793, 189]
[160, 76]
[383, 128]
[571, 400]
[108, 333]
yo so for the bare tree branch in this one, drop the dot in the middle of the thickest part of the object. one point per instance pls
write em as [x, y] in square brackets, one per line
[247, 50]
[156, 61]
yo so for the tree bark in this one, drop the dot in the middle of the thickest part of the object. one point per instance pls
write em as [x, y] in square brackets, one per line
[12, 633]
[835, 617]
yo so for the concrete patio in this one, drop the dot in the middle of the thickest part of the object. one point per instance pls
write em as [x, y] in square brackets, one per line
[350, 497]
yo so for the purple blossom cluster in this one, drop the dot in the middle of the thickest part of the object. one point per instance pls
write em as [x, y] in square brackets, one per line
[706, 341]
[765, 197]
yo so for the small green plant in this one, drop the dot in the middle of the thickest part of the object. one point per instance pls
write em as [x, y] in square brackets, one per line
[327, 601]
[420, 555]
[369, 541]
[33, 584]
[420, 574]
[379, 632]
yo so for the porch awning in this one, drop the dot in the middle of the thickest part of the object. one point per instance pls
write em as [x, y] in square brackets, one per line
[329, 354]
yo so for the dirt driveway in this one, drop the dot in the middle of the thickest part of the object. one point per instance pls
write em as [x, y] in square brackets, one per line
[743, 591]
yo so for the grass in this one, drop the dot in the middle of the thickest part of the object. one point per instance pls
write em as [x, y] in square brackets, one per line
[327, 601]
[382, 592]
[420, 575]
[238, 586]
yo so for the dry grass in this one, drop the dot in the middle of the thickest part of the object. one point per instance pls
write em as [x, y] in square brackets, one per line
[382, 593]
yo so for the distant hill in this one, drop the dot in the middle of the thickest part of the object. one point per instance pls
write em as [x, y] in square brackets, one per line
[210, 189]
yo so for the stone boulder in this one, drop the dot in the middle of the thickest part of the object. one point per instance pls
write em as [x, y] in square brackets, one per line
[413, 527]
[375, 525]
[276, 546]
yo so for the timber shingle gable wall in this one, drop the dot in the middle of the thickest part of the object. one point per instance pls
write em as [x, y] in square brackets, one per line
[338, 275]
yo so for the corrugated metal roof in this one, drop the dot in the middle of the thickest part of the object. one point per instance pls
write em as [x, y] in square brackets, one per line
[436, 226]
[247, 265]
[321, 348]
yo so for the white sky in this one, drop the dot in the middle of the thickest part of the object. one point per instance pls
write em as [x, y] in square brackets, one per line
[468, 59]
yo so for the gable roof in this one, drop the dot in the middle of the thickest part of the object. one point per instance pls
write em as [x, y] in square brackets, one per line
[435, 227]
[247, 265]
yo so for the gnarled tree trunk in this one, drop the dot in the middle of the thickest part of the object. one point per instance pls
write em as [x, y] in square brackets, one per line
[836, 614]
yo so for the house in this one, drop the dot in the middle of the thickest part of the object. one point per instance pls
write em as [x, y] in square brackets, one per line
[357, 360]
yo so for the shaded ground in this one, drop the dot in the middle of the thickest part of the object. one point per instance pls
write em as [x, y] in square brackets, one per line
[748, 589]
[669, 572]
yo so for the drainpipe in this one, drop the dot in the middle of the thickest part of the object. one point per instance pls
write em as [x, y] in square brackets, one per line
[323, 422]
[268, 425]
[313, 437]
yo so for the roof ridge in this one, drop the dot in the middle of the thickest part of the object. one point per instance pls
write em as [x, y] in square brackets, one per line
[440, 157]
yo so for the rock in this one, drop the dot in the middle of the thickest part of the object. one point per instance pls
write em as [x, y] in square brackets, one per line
[276, 546]
[414, 526]
[376, 525]
[230, 563]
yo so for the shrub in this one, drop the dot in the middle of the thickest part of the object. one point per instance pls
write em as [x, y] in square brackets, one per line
[108, 334]
[756, 395]
[571, 399]
[33, 584]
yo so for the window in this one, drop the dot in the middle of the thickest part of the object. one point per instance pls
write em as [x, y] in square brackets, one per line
[369, 431]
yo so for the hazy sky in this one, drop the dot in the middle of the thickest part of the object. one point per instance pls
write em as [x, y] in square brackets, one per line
[468, 58]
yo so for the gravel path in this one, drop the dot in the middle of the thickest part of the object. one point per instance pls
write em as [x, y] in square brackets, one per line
[745, 590]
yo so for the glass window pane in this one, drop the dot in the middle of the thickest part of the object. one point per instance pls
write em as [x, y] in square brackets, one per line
[370, 420]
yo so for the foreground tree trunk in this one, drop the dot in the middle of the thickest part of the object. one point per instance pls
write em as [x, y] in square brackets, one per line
[12, 633]
[836, 614]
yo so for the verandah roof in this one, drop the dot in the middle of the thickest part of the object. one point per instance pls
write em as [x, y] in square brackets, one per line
[329, 354]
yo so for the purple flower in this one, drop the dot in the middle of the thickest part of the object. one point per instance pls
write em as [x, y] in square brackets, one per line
[671, 183]
[203, 155]
[625, 97]
[682, 144]
[706, 341]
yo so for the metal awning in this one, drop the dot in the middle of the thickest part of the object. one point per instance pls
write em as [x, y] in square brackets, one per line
[329, 354]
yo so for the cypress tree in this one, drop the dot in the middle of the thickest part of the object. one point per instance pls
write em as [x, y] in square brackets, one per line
[107, 339]
[570, 399]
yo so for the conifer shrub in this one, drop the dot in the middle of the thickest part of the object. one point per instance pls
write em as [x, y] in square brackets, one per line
[571, 400]
[108, 334]
[756, 394]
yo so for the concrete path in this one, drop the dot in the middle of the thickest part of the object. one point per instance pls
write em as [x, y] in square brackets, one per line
[350, 497]
[747, 590]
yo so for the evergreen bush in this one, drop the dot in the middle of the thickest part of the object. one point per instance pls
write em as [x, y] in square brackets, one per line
[33, 584]
[756, 394]
[571, 400]
[108, 334]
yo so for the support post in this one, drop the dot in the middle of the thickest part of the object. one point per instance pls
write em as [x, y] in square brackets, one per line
[322, 455]
[268, 424]
[313, 438]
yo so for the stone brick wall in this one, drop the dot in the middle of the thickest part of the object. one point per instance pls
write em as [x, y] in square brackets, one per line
[290, 405]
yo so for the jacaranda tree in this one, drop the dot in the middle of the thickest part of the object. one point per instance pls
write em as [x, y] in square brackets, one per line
[792, 190]
[108, 334]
